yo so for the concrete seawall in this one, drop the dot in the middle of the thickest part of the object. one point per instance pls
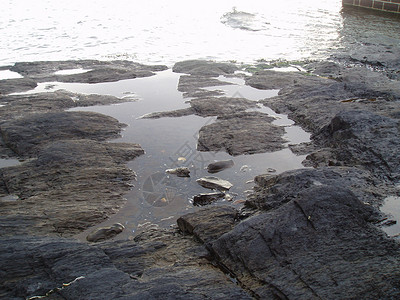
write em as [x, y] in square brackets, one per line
[392, 6]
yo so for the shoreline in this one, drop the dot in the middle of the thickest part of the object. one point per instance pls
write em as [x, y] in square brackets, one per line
[328, 212]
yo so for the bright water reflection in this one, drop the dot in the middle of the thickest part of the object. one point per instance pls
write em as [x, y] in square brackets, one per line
[168, 31]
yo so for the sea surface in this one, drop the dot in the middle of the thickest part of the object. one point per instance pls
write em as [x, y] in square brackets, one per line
[168, 31]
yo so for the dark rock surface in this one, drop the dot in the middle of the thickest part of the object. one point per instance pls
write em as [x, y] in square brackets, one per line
[70, 186]
[319, 245]
[363, 102]
[219, 166]
[156, 265]
[26, 135]
[18, 105]
[210, 223]
[105, 233]
[204, 68]
[242, 133]
[303, 234]
[8, 86]
[207, 198]
[93, 71]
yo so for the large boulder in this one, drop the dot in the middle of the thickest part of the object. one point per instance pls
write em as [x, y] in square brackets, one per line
[319, 245]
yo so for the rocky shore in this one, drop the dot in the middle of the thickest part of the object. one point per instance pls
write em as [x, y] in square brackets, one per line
[312, 233]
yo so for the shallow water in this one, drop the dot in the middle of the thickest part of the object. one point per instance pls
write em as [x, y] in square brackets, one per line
[158, 198]
[391, 207]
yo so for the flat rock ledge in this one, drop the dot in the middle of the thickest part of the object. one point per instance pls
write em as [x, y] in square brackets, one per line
[72, 177]
[303, 234]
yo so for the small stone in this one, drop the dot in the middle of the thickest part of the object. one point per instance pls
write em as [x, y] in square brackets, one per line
[220, 166]
[211, 182]
[207, 198]
[105, 233]
[180, 172]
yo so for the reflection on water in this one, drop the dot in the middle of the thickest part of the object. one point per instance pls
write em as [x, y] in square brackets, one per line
[158, 198]
[168, 31]
[391, 207]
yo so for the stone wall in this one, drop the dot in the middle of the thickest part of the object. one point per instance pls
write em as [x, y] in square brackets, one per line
[388, 5]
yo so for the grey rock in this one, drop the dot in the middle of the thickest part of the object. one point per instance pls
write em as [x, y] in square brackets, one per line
[205, 107]
[207, 198]
[156, 265]
[17, 105]
[180, 171]
[208, 224]
[71, 186]
[212, 182]
[204, 68]
[242, 133]
[18, 85]
[193, 85]
[271, 191]
[105, 233]
[318, 245]
[218, 166]
[25, 135]
[364, 138]
[97, 71]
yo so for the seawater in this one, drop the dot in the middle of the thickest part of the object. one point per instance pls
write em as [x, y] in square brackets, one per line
[168, 31]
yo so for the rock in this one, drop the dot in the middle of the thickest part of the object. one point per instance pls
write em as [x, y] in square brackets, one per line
[17, 105]
[192, 86]
[211, 182]
[26, 135]
[208, 198]
[105, 233]
[271, 191]
[208, 224]
[93, 71]
[71, 186]
[221, 106]
[156, 265]
[242, 133]
[17, 85]
[204, 68]
[220, 166]
[318, 245]
[272, 80]
[180, 172]
[169, 114]
[363, 138]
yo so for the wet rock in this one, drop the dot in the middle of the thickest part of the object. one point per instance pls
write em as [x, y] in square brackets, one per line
[105, 233]
[169, 114]
[364, 138]
[271, 191]
[205, 107]
[193, 86]
[17, 85]
[180, 172]
[218, 166]
[71, 186]
[17, 105]
[242, 133]
[26, 135]
[208, 224]
[204, 68]
[207, 198]
[318, 245]
[93, 71]
[212, 182]
[156, 265]
[222, 106]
